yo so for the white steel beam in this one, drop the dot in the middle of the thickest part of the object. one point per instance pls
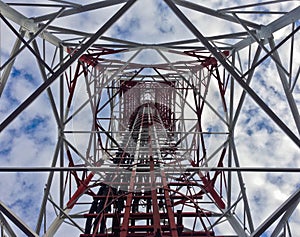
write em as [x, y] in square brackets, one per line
[233, 72]
[56, 224]
[276, 214]
[8, 68]
[66, 65]
[4, 224]
[82, 8]
[266, 31]
[285, 84]
[213, 12]
[27, 24]
[284, 219]
[17, 221]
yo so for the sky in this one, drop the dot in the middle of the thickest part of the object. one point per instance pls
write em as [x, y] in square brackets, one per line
[31, 138]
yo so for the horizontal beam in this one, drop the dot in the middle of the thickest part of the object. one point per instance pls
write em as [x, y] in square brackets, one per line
[214, 13]
[240, 80]
[65, 65]
[167, 169]
[81, 9]
[266, 31]
[27, 24]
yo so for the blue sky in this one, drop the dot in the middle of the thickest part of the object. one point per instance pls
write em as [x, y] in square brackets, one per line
[30, 139]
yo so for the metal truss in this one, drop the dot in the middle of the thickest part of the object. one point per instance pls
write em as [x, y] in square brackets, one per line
[150, 147]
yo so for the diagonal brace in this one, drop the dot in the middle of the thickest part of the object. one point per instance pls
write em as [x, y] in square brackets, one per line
[65, 65]
[234, 74]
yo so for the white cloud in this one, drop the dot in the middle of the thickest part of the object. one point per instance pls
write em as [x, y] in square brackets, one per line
[30, 139]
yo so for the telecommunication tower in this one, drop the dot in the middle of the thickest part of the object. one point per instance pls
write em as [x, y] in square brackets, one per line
[148, 131]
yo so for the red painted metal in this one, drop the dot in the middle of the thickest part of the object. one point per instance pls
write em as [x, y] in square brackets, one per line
[80, 191]
[92, 57]
[206, 60]
[167, 206]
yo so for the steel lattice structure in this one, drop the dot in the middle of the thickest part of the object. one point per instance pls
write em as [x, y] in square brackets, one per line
[147, 131]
